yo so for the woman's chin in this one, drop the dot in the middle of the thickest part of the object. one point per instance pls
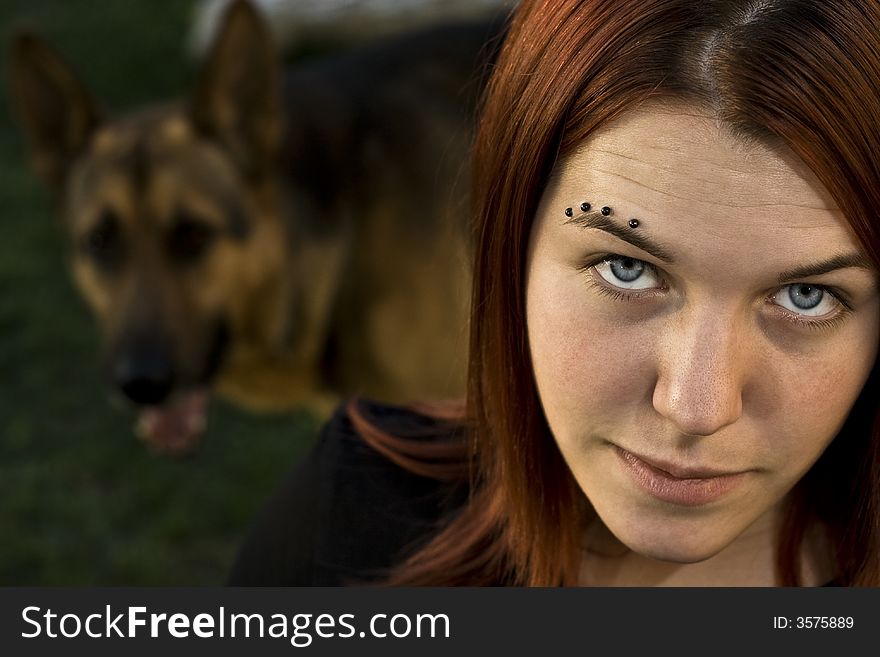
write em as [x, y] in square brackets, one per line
[673, 543]
[675, 551]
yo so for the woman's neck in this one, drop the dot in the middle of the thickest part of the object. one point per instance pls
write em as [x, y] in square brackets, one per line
[750, 560]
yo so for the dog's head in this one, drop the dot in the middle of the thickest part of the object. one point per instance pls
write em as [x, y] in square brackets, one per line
[171, 212]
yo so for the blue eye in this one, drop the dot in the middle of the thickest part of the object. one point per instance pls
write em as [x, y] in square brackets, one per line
[627, 269]
[805, 299]
[627, 273]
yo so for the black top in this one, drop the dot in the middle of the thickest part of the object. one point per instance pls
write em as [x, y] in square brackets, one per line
[346, 513]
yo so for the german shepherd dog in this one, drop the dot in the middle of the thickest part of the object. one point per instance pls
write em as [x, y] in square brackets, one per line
[279, 239]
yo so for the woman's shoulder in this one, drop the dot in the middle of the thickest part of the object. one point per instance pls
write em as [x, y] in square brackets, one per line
[358, 502]
[382, 500]
[415, 423]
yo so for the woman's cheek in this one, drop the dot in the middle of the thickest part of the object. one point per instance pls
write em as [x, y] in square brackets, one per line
[588, 360]
[813, 398]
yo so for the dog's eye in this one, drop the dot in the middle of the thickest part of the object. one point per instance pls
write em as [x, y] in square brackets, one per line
[189, 238]
[103, 242]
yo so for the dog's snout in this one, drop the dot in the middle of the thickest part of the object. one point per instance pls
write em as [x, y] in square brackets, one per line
[144, 374]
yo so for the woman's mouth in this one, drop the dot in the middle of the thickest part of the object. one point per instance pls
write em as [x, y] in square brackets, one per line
[678, 485]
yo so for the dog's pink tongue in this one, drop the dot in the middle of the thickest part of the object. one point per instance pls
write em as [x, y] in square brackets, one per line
[176, 427]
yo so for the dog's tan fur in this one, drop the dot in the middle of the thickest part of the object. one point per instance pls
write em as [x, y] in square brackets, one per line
[331, 247]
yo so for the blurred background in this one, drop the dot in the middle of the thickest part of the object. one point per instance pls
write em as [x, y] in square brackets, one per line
[82, 501]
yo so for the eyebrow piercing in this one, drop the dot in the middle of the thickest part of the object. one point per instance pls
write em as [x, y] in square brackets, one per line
[605, 211]
[585, 207]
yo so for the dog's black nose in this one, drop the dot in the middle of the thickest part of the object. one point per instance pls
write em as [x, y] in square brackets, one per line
[144, 375]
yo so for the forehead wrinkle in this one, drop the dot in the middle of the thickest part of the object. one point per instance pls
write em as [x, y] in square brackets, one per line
[584, 165]
[678, 197]
[700, 162]
[701, 152]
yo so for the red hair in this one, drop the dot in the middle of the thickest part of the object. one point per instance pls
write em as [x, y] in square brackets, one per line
[799, 73]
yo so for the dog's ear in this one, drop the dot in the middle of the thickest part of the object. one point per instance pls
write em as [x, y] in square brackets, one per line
[55, 110]
[238, 95]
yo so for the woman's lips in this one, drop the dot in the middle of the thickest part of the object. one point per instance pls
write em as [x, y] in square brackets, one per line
[676, 485]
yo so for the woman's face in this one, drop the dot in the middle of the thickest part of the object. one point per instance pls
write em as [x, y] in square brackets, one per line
[694, 367]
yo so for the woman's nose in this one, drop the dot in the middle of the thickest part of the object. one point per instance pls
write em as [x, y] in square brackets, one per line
[700, 377]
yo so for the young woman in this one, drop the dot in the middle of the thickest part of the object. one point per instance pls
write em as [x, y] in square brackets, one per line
[674, 328]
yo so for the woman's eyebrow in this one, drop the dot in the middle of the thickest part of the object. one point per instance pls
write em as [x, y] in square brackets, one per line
[647, 245]
[842, 261]
[626, 234]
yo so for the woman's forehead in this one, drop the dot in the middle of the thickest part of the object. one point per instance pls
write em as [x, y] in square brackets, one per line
[729, 214]
[682, 175]
[684, 156]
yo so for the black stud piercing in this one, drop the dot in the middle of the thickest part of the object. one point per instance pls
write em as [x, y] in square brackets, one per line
[605, 211]
[633, 223]
[585, 207]
[569, 212]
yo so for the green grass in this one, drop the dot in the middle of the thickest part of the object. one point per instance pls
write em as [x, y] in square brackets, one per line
[82, 502]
